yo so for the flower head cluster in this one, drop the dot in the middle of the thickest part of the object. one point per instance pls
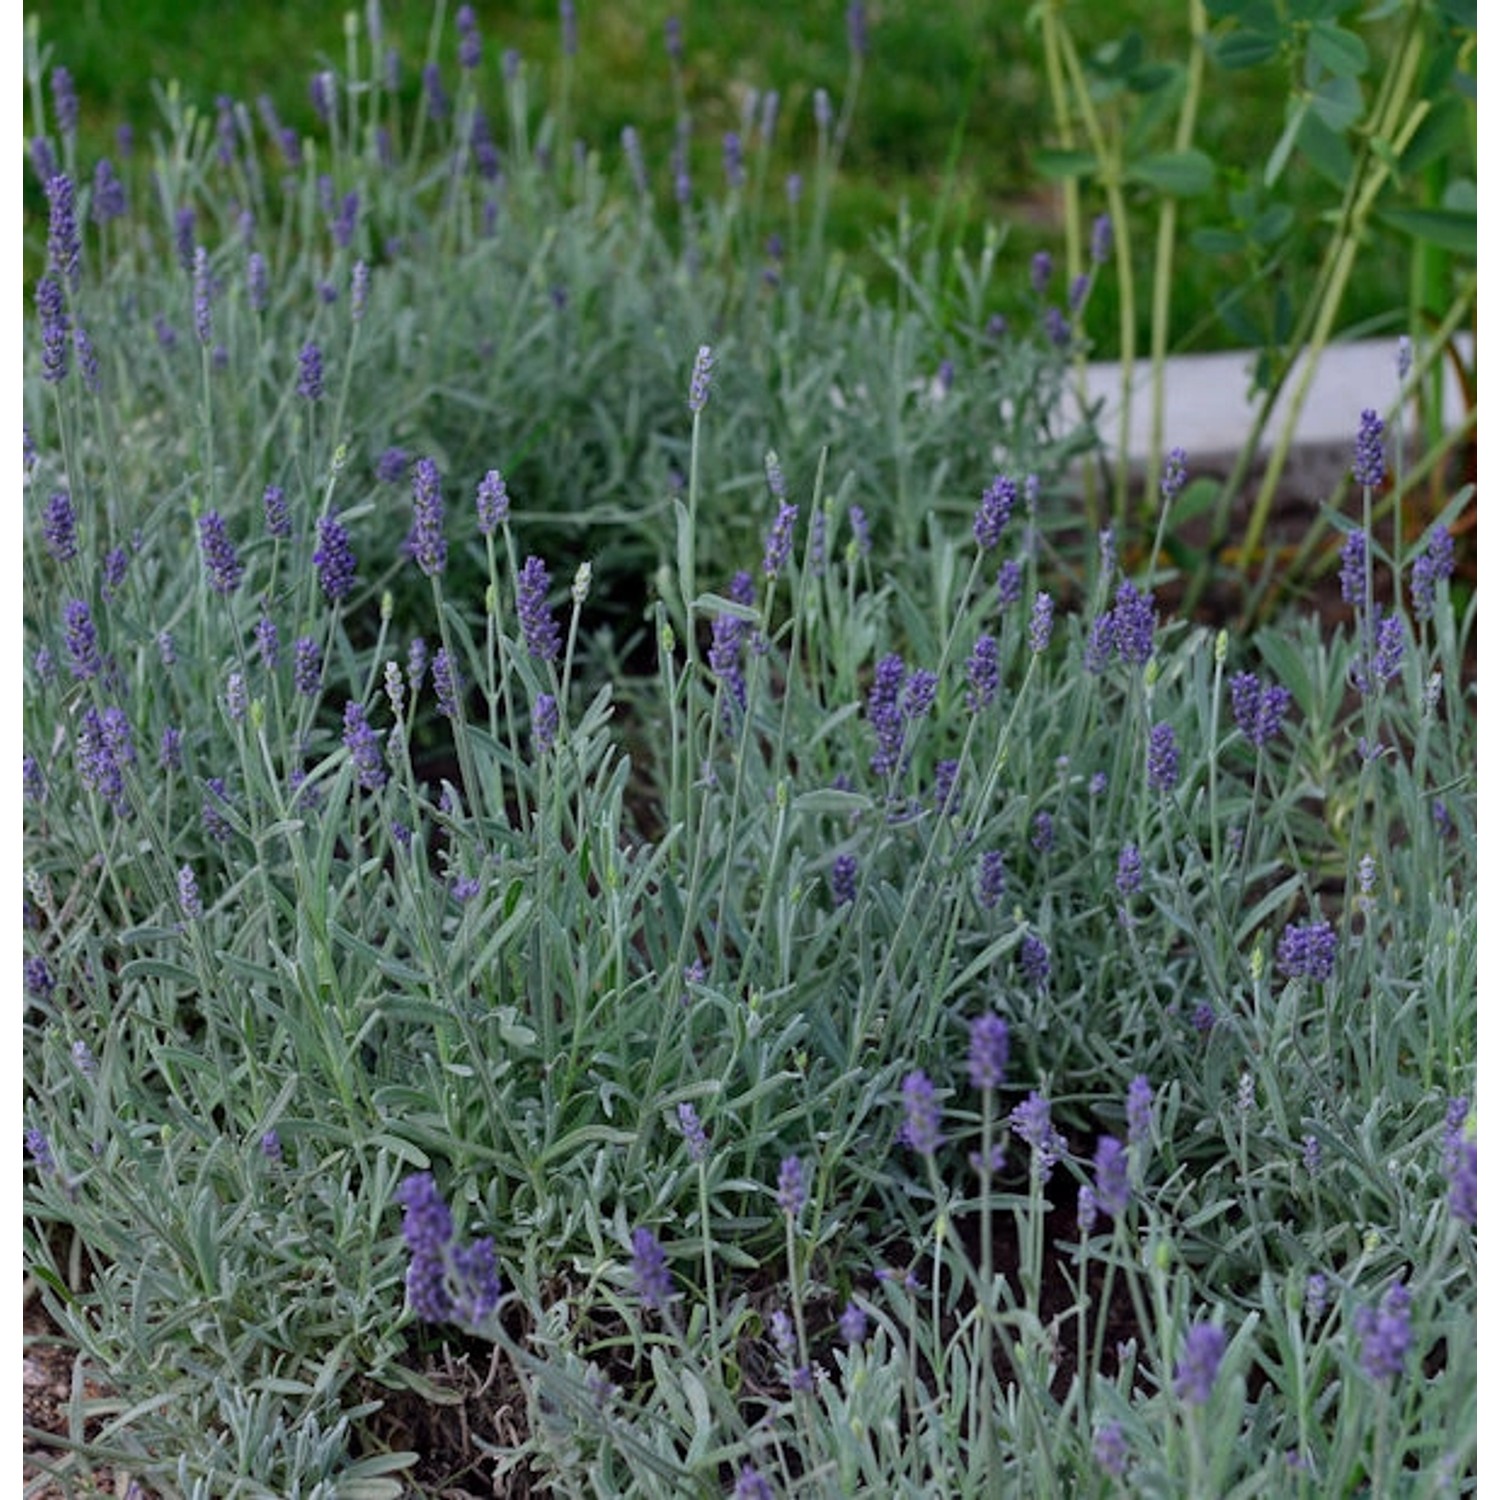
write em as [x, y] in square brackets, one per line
[1111, 1450]
[983, 672]
[991, 879]
[1259, 708]
[220, 561]
[1111, 1177]
[895, 699]
[1433, 565]
[1125, 631]
[1352, 569]
[492, 502]
[81, 640]
[363, 745]
[692, 1131]
[544, 723]
[63, 245]
[310, 372]
[447, 683]
[426, 542]
[843, 879]
[1307, 950]
[59, 527]
[791, 1187]
[995, 507]
[779, 541]
[1461, 1164]
[307, 666]
[334, 559]
[1035, 960]
[921, 1127]
[105, 748]
[1138, 1100]
[1202, 1353]
[446, 1280]
[1040, 631]
[52, 310]
[1128, 870]
[1032, 1121]
[538, 628]
[989, 1051]
[1385, 1334]
[1369, 451]
[1161, 759]
[648, 1266]
[698, 386]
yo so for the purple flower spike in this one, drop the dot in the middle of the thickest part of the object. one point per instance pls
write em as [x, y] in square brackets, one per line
[1161, 759]
[791, 1187]
[363, 745]
[1307, 951]
[81, 640]
[1385, 1334]
[653, 1280]
[1111, 1177]
[426, 541]
[538, 628]
[334, 559]
[921, 1129]
[989, 1051]
[1369, 451]
[698, 386]
[492, 502]
[843, 879]
[1202, 1354]
[995, 507]
[219, 559]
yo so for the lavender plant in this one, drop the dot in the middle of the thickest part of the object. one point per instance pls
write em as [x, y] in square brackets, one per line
[871, 1047]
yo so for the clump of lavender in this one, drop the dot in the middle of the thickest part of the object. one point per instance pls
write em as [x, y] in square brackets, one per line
[1307, 951]
[922, 1122]
[220, 561]
[538, 628]
[1198, 1368]
[426, 542]
[334, 560]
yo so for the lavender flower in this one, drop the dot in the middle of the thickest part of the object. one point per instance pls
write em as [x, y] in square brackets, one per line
[257, 282]
[995, 506]
[1202, 1354]
[236, 698]
[40, 1151]
[184, 233]
[310, 372]
[989, 1051]
[37, 977]
[334, 560]
[751, 1484]
[64, 249]
[672, 36]
[426, 542]
[491, 501]
[363, 745]
[81, 641]
[853, 1324]
[84, 1059]
[1352, 569]
[1111, 1451]
[307, 666]
[1128, 871]
[1041, 271]
[1258, 708]
[568, 16]
[1173, 475]
[698, 386]
[270, 1147]
[203, 315]
[220, 561]
[734, 160]
[859, 531]
[278, 516]
[1307, 951]
[653, 1281]
[1138, 1110]
[88, 361]
[1041, 622]
[1031, 1120]
[991, 883]
[427, 1228]
[843, 879]
[59, 527]
[1057, 327]
[692, 1131]
[64, 102]
[447, 683]
[52, 311]
[1461, 1164]
[169, 753]
[1134, 624]
[923, 1117]
[538, 628]
[791, 1187]
[1035, 961]
[779, 541]
[359, 290]
[1042, 834]
[215, 824]
[544, 722]
[1385, 1334]
[883, 711]
[1369, 451]
[1312, 1154]
[33, 783]
[1432, 566]
[1111, 1177]
[1161, 759]
[1390, 643]
[983, 672]
[1008, 584]
[1102, 240]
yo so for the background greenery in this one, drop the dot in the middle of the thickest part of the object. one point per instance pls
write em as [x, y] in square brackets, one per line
[950, 118]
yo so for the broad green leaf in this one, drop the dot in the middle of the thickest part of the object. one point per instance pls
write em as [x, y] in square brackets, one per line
[1338, 102]
[1342, 52]
[1244, 49]
[1179, 174]
[1448, 229]
[1326, 152]
[1057, 165]
[1439, 134]
[1272, 224]
[1216, 241]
